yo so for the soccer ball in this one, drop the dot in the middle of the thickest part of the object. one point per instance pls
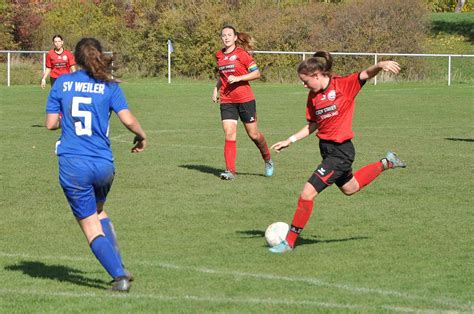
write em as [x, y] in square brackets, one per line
[276, 233]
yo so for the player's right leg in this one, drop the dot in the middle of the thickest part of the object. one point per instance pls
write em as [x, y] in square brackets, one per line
[230, 149]
[300, 218]
[229, 118]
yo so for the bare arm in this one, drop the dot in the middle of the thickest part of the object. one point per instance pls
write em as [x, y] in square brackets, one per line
[215, 93]
[45, 75]
[73, 68]
[388, 66]
[52, 121]
[131, 123]
[246, 77]
[301, 134]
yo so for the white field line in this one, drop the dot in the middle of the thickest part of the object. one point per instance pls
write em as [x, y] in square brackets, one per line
[180, 298]
[311, 281]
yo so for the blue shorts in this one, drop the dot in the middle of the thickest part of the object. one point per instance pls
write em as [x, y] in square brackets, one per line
[85, 183]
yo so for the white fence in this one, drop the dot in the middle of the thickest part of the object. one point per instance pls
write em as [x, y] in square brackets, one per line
[9, 57]
[303, 55]
[376, 56]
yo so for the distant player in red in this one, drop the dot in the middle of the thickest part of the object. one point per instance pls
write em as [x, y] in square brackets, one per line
[329, 110]
[58, 61]
[236, 69]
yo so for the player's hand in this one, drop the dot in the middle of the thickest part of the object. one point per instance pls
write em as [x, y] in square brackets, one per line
[280, 145]
[140, 144]
[43, 83]
[233, 79]
[390, 66]
[215, 96]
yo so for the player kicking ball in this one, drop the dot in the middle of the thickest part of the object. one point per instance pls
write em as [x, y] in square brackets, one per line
[329, 111]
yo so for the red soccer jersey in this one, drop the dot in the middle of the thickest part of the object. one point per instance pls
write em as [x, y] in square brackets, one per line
[332, 109]
[59, 63]
[238, 62]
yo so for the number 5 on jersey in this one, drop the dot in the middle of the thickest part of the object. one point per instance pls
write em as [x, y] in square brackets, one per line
[85, 129]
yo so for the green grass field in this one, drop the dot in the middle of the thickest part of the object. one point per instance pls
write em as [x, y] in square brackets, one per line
[195, 243]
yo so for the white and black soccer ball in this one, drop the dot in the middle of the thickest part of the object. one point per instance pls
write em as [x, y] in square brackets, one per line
[276, 233]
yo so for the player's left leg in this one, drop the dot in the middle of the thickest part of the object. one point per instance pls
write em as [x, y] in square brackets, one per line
[104, 252]
[247, 112]
[365, 175]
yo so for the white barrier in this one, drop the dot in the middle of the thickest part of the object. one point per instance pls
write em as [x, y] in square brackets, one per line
[375, 55]
[9, 52]
[302, 53]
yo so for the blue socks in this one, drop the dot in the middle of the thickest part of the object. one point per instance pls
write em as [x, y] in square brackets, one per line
[105, 253]
[109, 232]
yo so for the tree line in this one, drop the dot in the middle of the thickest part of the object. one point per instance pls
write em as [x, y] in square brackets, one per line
[137, 31]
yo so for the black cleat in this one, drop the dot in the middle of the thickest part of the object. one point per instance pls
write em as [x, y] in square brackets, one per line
[121, 284]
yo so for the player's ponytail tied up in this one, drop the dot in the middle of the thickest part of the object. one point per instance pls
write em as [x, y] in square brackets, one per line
[89, 56]
[246, 41]
[321, 62]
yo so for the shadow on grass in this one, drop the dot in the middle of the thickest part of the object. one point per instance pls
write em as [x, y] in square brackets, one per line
[215, 171]
[459, 139]
[60, 273]
[300, 240]
[37, 126]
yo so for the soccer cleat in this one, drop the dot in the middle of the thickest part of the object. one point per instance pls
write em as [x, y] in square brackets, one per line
[129, 275]
[121, 284]
[394, 161]
[283, 247]
[268, 168]
[227, 175]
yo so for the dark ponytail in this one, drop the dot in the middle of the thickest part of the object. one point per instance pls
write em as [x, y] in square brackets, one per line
[320, 61]
[89, 56]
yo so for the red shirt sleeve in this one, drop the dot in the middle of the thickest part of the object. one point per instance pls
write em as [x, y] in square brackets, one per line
[310, 110]
[247, 60]
[351, 85]
[48, 60]
[70, 58]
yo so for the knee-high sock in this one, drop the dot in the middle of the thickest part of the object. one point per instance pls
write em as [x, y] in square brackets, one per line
[368, 173]
[109, 232]
[261, 143]
[105, 253]
[301, 217]
[230, 153]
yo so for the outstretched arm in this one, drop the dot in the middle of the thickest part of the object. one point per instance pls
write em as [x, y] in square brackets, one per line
[388, 66]
[132, 124]
[301, 134]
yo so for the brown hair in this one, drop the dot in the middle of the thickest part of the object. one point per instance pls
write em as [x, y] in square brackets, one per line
[89, 56]
[244, 40]
[321, 61]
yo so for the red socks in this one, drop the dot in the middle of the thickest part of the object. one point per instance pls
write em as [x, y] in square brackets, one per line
[230, 152]
[368, 173]
[262, 146]
[301, 217]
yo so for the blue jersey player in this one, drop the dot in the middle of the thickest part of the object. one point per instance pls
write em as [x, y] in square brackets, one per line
[85, 99]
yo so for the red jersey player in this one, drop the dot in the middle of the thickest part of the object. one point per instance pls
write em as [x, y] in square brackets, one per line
[58, 61]
[329, 110]
[236, 69]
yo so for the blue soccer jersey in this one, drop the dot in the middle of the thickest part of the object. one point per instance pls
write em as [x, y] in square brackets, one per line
[85, 104]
